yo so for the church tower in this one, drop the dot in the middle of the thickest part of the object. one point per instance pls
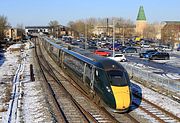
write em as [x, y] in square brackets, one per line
[141, 22]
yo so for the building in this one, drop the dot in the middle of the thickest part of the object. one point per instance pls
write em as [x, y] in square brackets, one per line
[170, 33]
[103, 31]
[36, 29]
[141, 22]
[13, 33]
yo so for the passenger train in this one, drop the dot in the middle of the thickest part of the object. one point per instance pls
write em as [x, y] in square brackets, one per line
[99, 76]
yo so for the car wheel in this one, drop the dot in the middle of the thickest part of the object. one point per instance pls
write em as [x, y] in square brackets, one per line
[123, 60]
[166, 58]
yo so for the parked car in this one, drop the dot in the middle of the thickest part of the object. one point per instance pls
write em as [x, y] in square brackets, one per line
[159, 56]
[163, 48]
[116, 47]
[178, 49]
[146, 53]
[102, 53]
[118, 57]
[145, 45]
[92, 48]
[129, 50]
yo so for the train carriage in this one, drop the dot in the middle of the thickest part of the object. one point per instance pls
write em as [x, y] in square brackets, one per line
[104, 77]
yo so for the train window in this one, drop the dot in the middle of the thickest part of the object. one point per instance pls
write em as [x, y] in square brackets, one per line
[100, 76]
[118, 78]
[97, 73]
[74, 63]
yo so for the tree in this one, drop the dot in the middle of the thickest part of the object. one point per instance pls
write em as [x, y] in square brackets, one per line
[105, 25]
[150, 31]
[20, 30]
[3, 25]
[54, 27]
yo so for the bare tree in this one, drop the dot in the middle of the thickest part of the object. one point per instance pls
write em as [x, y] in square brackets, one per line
[89, 24]
[20, 30]
[150, 31]
[54, 27]
[3, 25]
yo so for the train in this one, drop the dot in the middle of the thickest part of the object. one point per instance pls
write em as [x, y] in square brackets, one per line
[106, 80]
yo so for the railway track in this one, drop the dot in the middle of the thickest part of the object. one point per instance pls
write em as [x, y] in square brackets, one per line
[100, 114]
[70, 106]
[154, 111]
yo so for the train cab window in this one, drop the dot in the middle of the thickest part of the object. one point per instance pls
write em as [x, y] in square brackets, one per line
[117, 78]
[100, 75]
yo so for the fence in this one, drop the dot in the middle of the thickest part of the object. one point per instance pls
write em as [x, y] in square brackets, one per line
[169, 85]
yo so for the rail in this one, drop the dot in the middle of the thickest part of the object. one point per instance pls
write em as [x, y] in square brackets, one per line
[13, 110]
[155, 111]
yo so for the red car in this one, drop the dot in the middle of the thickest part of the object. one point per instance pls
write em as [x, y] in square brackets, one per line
[102, 53]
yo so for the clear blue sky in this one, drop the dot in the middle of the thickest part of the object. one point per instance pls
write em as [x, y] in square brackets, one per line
[40, 12]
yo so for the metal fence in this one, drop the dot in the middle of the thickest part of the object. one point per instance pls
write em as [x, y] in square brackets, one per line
[170, 85]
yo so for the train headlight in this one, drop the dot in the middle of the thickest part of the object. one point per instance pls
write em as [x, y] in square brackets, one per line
[108, 89]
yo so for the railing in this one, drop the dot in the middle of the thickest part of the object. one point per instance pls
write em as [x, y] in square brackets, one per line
[169, 85]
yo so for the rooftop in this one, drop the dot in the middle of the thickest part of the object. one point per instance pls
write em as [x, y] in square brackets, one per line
[141, 14]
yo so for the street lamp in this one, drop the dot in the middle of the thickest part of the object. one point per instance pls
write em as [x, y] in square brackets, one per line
[85, 36]
[113, 37]
[123, 36]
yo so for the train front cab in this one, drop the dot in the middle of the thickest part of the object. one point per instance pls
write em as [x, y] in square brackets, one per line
[114, 88]
[120, 86]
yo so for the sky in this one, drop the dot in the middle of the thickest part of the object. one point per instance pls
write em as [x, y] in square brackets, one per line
[41, 12]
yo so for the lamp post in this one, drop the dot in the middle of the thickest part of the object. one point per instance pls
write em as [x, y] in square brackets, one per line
[85, 36]
[113, 37]
[123, 35]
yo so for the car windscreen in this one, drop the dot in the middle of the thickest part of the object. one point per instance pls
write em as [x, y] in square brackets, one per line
[118, 78]
[118, 55]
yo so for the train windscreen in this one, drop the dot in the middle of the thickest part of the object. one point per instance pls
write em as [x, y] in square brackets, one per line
[118, 78]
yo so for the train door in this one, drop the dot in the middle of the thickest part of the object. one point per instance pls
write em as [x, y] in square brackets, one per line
[92, 78]
[84, 73]
[98, 81]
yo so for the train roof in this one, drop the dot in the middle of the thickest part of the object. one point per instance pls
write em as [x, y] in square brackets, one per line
[100, 61]
[90, 58]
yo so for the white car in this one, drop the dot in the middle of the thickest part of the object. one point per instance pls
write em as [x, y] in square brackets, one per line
[118, 57]
[145, 46]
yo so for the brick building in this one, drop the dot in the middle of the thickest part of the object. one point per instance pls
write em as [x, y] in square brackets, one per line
[170, 33]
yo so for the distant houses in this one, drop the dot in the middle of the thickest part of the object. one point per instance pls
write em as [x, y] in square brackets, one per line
[13, 34]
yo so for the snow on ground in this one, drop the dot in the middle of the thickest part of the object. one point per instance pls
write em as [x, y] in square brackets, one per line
[34, 105]
[161, 100]
[35, 108]
[150, 69]
[7, 70]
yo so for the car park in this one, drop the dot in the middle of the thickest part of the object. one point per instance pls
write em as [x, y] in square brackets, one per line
[159, 56]
[118, 57]
[102, 53]
[146, 53]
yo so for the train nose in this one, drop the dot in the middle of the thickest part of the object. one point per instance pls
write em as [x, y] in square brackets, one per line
[122, 97]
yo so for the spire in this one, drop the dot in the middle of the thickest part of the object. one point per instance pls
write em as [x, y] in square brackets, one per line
[141, 14]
